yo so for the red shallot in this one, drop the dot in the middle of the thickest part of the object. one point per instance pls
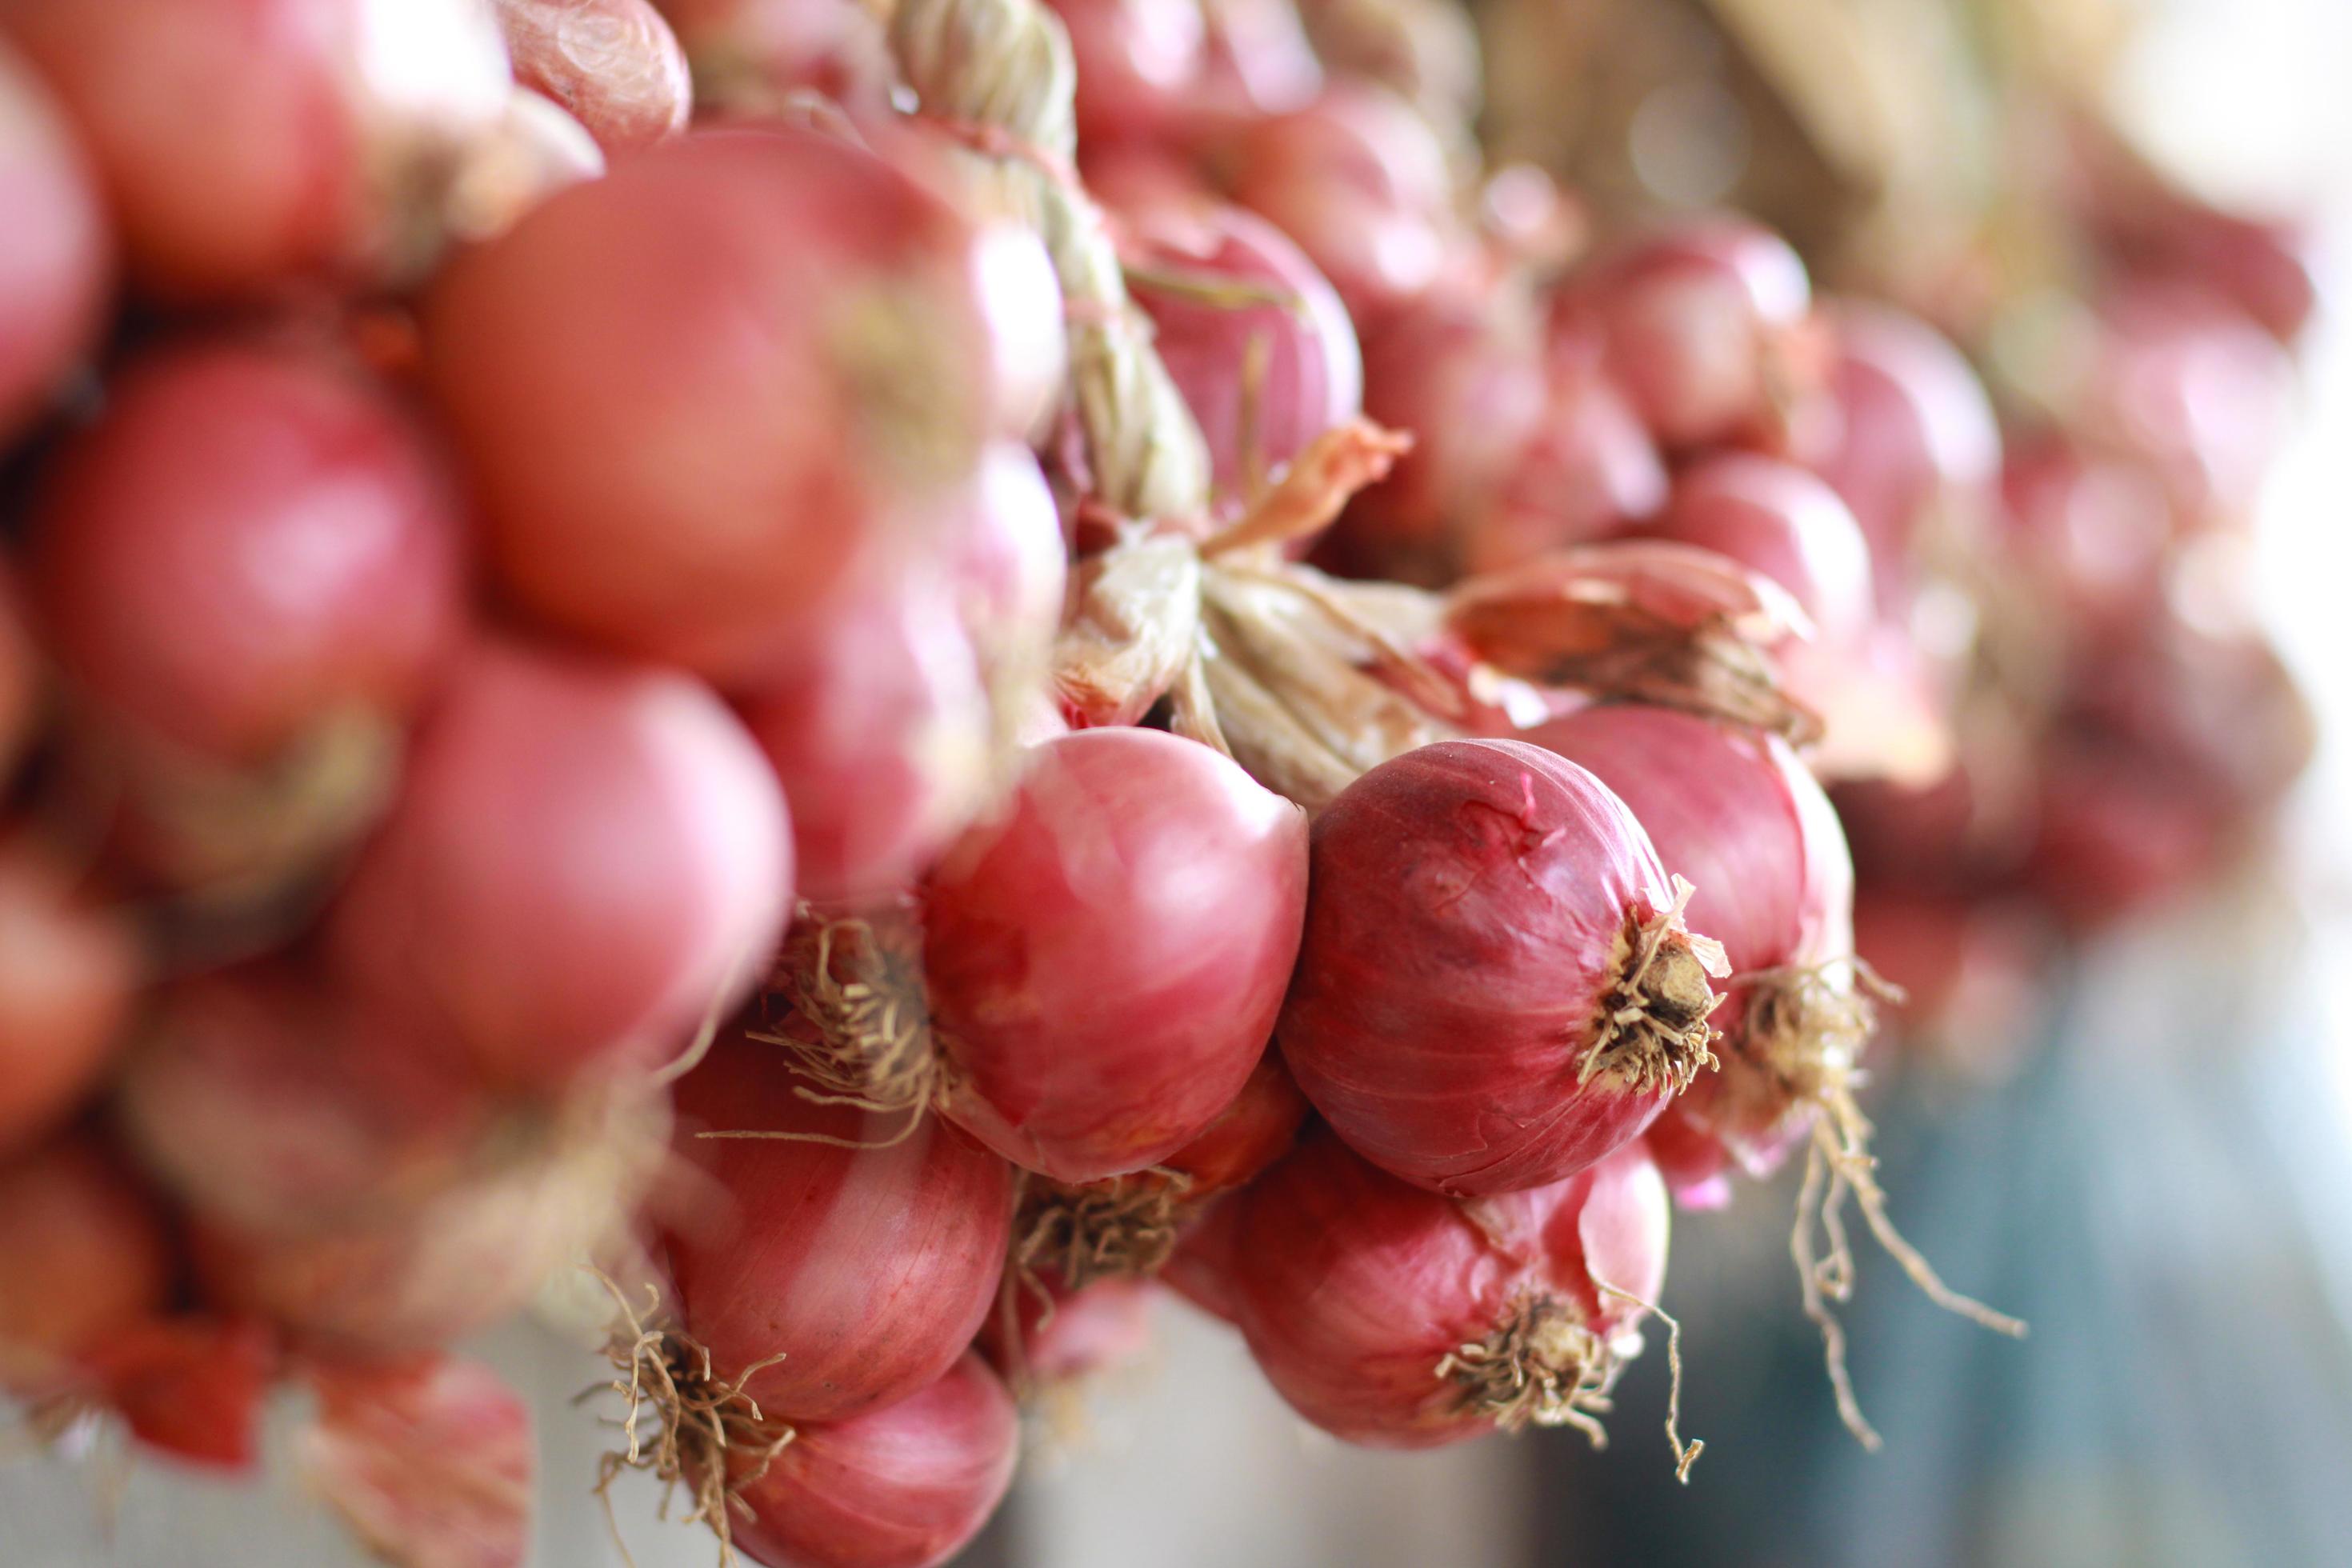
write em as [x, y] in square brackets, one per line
[905, 1486]
[1253, 336]
[245, 144]
[1398, 1318]
[587, 859]
[1497, 988]
[840, 1259]
[1706, 325]
[53, 272]
[697, 395]
[69, 970]
[1105, 964]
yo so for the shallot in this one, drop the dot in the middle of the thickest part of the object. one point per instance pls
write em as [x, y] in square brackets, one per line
[1497, 988]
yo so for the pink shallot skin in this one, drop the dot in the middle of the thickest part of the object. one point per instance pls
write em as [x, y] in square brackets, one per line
[1352, 1287]
[868, 1268]
[1106, 961]
[1734, 811]
[904, 1486]
[1465, 930]
[1256, 414]
[59, 259]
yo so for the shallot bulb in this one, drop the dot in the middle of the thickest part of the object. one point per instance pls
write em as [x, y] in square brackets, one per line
[1011, 571]
[1139, 65]
[1462, 376]
[84, 1259]
[587, 859]
[245, 144]
[2183, 381]
[905, 1486]
[248, 570]
[1073, 1234]
[1775, 517]
[1397, 1318]
[1734, 811]
[840, 1260]
[428, 1268]
[1105, 964]
[1706, 325]
[613, 64]
[426, 1459]
[1497, 988]
[1042, 1341]
[1259, 60]
[263, 1100]
[696, 396]
[1914, 445]
[69, 970]
[1587, 469]
[2088, 531]
[1021, 296]
[879, 730]
[1739, 809]
[53, 272]
[251, 542]
[1097, 970]
[1253, 336]
[1361, 183]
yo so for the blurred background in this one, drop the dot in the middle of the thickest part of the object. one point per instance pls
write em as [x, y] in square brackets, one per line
[2150, 1162]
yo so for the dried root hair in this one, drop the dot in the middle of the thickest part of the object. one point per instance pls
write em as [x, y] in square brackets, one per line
[681, 1423]
[1838, 1163]
[1123, 1228]
[1652, 1031]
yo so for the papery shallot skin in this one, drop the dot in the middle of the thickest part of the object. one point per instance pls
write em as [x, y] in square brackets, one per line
[868, 1268]
[1106, 963]
[1470, 918]
[1734, 811]
[905, 1486]
[1353, 1288]
[613, 64]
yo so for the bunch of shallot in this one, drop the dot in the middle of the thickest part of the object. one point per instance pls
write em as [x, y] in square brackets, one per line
[881, 673]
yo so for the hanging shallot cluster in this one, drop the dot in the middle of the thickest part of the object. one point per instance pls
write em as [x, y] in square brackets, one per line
[876, 676]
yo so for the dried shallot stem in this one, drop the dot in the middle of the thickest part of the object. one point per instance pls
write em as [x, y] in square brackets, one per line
[1000, 72]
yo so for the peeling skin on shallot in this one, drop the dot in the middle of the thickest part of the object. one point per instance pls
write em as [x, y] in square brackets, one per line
[1649, 620]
